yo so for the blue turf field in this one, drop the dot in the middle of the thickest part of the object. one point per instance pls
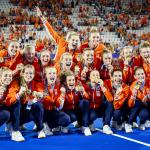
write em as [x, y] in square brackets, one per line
[77, 141]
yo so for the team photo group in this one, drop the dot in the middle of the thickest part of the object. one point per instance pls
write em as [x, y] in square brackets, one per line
[81, 83]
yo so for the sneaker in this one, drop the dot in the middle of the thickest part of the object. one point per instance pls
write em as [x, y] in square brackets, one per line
[35, 127]
[47, 130]
[135, 125]
[142, 127]
[123, 125]
[75, 124]
[17, 136]
[113, 124]
[64, 129]
[22, 128]
[116, 126]
[8, 127]
[57, 129]
[147, 124]
[128, 128]
[86, 131]
[91, 126]
[41, 134]
[107, 129]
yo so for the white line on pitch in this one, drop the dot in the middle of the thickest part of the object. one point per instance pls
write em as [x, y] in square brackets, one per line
[126, 138]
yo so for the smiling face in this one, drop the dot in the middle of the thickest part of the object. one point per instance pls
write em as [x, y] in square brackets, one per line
[139, 75]
[51, 75]
[6, 77]
[13, 48]
[145, 53]
[28, 74]
[127, 52]
[29, 53]
[94, 76]
[94, 39]
[66, 61]
[45, 58]
[74, 42]
[107, 58]
[117, 77]
[70, 82]
[88, 56]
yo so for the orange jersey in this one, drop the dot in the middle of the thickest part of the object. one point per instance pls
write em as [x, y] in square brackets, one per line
[104, 73]
[9, 97]
[10, 62]
[97, 51]
[119, 99]
[90, 67]
[128, 70]
[40, 74]
[95, 96]
[141, 93]
[72, 98]
[146, 68]
[62, 44]
[128, 74]
[50, 101]
[28, 96]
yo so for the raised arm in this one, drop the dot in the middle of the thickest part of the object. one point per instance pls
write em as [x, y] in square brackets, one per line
[58, 39]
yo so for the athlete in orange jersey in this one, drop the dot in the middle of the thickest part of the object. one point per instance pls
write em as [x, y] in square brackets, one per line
[139, 95]
[9, 103]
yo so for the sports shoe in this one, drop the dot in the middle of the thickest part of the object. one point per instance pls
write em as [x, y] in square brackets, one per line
[147, 124]
[91, 126]
[123, 125]
[22, 128]
[107, 129]
[135, 125]
[113, 124]
[116, 126]
[86, 131]
[128, 128]
[35, 127]
[47, 130]
[64, 129]
[142, 127]
[41, 134]
[57, 129]
[75, 124]
[17, 136]
[8, 127]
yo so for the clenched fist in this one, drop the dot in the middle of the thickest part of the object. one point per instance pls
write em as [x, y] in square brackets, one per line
[63, 91]
[22, 90]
